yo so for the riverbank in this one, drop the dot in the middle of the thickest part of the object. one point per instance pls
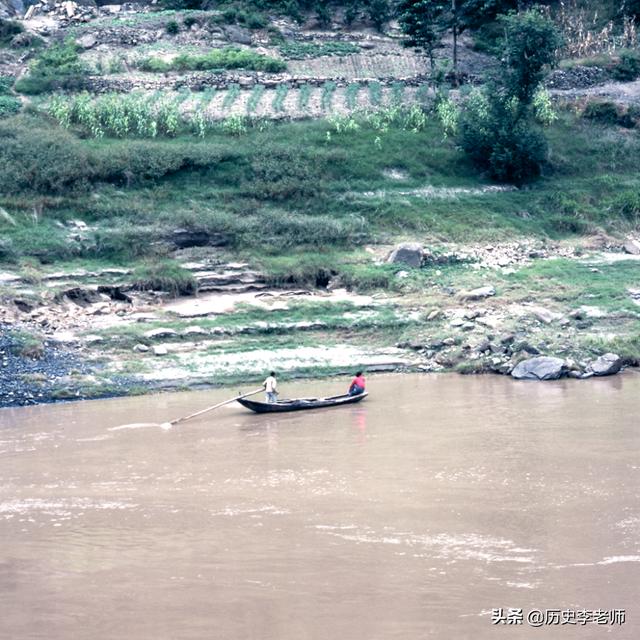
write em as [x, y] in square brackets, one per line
[527, 308]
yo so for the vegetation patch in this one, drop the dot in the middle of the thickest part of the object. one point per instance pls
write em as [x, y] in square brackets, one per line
[227, 58]
[58, 67]
[301, 50]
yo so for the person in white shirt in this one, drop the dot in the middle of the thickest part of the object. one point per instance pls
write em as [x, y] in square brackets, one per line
[271, 387]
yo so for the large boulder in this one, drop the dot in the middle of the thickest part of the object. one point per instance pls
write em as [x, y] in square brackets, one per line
[606, 365]
[236, 34]
[632, 246]
[539, 368]
[408, 253]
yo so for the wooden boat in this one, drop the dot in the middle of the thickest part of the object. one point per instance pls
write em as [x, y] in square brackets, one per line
[300, 404]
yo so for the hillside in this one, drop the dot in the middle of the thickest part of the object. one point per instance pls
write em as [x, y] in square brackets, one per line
[133, 178]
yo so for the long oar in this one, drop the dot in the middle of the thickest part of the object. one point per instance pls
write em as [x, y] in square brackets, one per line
[168, 425]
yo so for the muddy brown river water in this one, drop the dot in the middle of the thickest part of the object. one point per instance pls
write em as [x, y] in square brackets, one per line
[415, 514]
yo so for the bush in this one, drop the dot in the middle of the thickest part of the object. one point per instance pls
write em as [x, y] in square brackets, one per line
[189, 21]
[283, 175]
[628, 68]
[603, 112]
[6, 82]
[58, 67]
[9, 106]
[501, 139]
[45, 160]
[172, 27]
[627, 205]
[9, 29]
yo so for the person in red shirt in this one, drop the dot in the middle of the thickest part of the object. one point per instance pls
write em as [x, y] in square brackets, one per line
[357, 385]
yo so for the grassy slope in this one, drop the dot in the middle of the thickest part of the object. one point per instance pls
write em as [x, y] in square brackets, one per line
[297, 199]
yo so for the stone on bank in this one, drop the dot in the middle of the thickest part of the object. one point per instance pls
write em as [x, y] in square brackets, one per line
[539, 368]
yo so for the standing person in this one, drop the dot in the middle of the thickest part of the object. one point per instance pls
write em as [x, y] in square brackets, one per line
[271, 387]
[357, 384]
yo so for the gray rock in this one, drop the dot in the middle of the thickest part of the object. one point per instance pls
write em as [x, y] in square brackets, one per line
[606, 365]
[545, 315]
[160, 350]
[479, 293]
[408, 253]
[237, 34]
[87, 41]
[539, 368]
[632, 246]
[141, 348]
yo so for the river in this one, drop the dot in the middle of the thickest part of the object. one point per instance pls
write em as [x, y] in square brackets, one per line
[414, 514]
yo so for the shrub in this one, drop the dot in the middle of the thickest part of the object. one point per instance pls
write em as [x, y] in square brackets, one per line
[283, 175]
[189, 21]
[603, 112]
[627, 205]
[628, 68]
[499, 138]
[6, 82]
[45, 160]
[58, 67]
[9, 106]
[172, 27]
[9, 29]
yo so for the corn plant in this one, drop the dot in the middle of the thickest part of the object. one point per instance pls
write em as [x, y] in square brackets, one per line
[199, 124]
[303, 97]
[254, 98]
[351, 96]
[235, 125]
[232, 95]
[278, 99]
[60, 110]
[375, 94]
[328, 89]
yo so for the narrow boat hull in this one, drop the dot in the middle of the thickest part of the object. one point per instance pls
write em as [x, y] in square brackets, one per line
[300, 404]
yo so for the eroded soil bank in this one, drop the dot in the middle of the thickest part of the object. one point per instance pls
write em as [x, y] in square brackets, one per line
[525, 308]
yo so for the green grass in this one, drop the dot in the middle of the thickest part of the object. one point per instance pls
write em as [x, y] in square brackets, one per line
[299, 201]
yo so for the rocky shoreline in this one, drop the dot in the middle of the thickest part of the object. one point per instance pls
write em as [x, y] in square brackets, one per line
[85, 334]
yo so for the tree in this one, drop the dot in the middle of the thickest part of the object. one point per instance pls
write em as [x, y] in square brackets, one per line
[531, 41]
[423, 22]
[497, 126]
[379, 12]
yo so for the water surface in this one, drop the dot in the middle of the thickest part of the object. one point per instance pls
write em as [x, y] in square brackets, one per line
[410, 515]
